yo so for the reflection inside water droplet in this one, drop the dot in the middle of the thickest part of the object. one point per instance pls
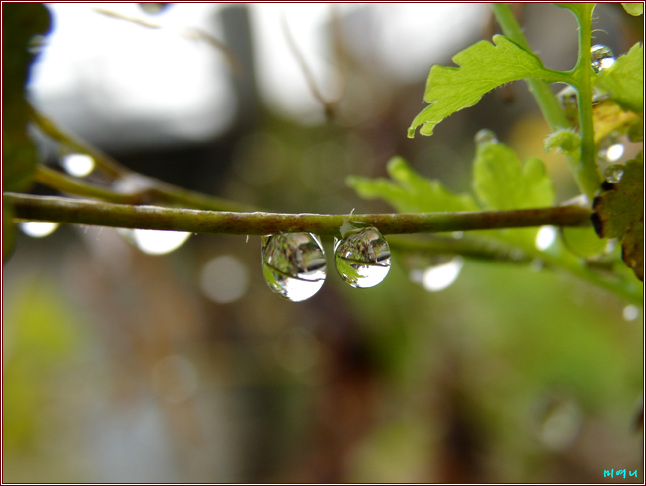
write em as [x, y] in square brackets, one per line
[614, 173]
[439, 276]
[294, 265]
[602, 58]
[363, 258]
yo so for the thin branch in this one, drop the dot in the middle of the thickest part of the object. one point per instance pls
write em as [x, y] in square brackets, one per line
[103, 161]
[473, 248]
[72, 185]
[192, 33]
[75, 211]
[328, 104]
[154, 190]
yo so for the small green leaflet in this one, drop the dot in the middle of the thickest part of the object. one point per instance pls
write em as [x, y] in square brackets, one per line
[566, 140]
[634, 8]
[410, 192]
[483, 67]
[501, 182]
[619, 212]
[624, 80]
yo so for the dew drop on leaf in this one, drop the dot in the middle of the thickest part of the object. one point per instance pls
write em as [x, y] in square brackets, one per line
[485, 136]
[362, 258]
[602, 58]
[614, 173]
[293, 265]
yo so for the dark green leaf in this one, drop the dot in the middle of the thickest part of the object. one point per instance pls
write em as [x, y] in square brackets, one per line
[619, 212]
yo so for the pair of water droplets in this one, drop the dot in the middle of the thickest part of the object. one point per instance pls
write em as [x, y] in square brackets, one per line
[294, 264]
[602, 58]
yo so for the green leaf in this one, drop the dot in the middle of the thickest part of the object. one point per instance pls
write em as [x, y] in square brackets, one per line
[483, 67]
[20, 22]
[410, 192]
[624, 80]
[501, 182]
[619, 212]
[634, 8]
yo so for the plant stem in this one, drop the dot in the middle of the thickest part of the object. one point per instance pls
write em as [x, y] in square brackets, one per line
[587, 173]
[547, 102]
[473, 248]
[107, 164]
[75, 211]
[150, 190]
[72, 185]
[583, 167]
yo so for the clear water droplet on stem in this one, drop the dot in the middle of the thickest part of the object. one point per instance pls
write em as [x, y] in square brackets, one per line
[545, 237]
[485, 136]
[78, 165]
[602, 58]
[38, 229]
[614, 173]
[294, 265]
[154, 242]
[362, 258]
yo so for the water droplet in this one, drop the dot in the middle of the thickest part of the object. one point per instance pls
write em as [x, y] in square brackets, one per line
[611, 149]
[630, 312]
[614, 173]
[438, 276]
[224, 279]
[602, 58]
[78, 165]
[485, 136]
[293, 265]
[154, 242]
[545, 237]
[559, 420]
[362, 258]
[38, 229]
